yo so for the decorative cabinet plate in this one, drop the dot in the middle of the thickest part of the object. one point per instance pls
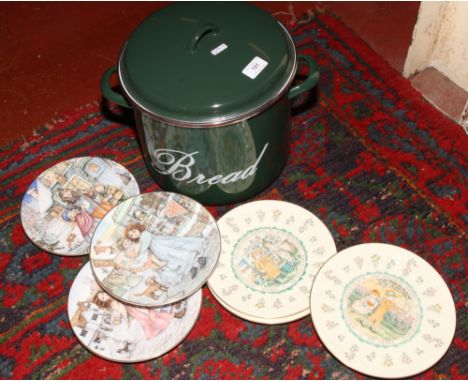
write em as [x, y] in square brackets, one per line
[125, 333]
[270, 253]
[155, 249]
[63, 205]
[382, 310]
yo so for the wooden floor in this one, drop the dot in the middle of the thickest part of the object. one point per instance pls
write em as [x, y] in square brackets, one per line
[52, 54]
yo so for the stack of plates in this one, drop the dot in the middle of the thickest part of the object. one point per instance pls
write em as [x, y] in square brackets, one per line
[270, 253]
[150, 254]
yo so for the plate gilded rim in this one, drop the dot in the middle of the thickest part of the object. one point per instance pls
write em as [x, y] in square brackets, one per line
[389, 352]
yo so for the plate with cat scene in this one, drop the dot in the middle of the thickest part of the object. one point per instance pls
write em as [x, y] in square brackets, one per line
[155, 249]
[124, 333]
[382, 310]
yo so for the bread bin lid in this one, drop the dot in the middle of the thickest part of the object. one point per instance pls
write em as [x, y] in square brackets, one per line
[207, 64]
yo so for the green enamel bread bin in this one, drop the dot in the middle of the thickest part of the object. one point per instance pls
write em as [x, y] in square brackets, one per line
[210, 87]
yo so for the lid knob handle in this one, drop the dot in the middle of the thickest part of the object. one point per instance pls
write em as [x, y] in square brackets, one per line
[200, 33]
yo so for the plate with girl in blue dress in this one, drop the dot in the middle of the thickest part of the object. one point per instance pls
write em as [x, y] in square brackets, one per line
[155, 249]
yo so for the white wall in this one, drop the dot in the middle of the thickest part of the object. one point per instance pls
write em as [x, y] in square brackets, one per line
[440, 39]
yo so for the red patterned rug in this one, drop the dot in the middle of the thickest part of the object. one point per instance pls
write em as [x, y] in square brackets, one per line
[370, 157]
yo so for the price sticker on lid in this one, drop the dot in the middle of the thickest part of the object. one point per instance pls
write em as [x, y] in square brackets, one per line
[219, 49]
[255, 67]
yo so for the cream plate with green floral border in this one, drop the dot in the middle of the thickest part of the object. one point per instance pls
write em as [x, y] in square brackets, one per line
[382, 310]
[155, 249]
[270, 253]
[125, 333]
